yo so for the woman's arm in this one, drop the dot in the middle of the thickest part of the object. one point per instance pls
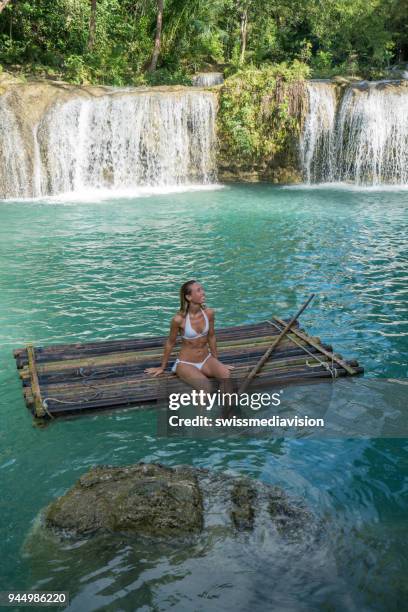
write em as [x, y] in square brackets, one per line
[212, 341]
[170, 342]
[168, 347]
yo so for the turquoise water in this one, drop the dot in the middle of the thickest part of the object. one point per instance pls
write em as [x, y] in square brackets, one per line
[111, 269]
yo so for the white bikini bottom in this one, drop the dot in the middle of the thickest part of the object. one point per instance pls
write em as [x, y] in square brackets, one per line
[198, 365]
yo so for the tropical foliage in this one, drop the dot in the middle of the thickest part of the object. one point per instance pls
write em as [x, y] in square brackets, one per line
[260, 110]
[113, 41]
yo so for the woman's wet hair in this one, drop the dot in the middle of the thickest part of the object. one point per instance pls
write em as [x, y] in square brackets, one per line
[185, 290]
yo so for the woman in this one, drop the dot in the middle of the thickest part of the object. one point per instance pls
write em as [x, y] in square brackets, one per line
[198, 354]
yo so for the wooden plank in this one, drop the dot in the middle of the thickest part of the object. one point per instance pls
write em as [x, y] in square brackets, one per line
[312, 342]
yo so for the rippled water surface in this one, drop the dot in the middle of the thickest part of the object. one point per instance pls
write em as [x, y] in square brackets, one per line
[111, 269]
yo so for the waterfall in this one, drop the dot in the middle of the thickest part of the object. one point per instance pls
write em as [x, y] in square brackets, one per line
[127, 141]
[373, 136]
[317, 143]
[208, 79]
[14, 173]
[364, 139]
[117, 140]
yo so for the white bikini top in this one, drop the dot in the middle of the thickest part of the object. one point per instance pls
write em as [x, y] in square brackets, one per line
[190, 333]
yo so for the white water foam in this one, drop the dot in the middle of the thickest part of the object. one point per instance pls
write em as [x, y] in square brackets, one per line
[343, 186]
[95, 196]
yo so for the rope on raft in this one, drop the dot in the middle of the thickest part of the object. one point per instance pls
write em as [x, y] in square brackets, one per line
[88, 399]
[96, 373]
[81, 372]
[55, 399]
[325, 364]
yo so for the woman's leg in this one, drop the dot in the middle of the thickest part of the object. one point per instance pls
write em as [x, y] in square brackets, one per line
[194, 377]
[218, 370]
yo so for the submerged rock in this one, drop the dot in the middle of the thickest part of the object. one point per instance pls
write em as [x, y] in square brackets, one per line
[148, 499]
[125, 535]
[243, 496]
[157, 501]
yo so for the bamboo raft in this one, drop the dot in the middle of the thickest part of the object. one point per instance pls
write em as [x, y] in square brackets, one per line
[71, 378]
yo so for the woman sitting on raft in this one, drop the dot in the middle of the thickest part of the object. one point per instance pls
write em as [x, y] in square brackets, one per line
[198, 354]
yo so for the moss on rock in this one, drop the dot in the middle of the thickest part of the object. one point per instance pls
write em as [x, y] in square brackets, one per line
[259, 121]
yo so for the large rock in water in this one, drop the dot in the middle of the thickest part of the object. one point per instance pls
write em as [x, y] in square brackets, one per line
[158, 501]
[149, 499]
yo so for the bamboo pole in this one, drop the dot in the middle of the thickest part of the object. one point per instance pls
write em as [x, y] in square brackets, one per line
[140, 381]
[71, 399]
[265, 357]
[114, 400]
[99, 373]
[128, 358]
[322, 350]
[35, 387]
[140, 343]
[136, 353]
[102, 372]
[138, 385]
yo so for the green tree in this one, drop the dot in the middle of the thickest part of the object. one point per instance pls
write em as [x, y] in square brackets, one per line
[3, 4]
[119, 41]
[157, 38]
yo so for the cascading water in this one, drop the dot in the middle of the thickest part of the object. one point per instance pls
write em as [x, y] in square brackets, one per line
[207, 79]
[118, 140]
[14, 173]
[126, 141]
[373, 136]
[364, 140]
[317, 143]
